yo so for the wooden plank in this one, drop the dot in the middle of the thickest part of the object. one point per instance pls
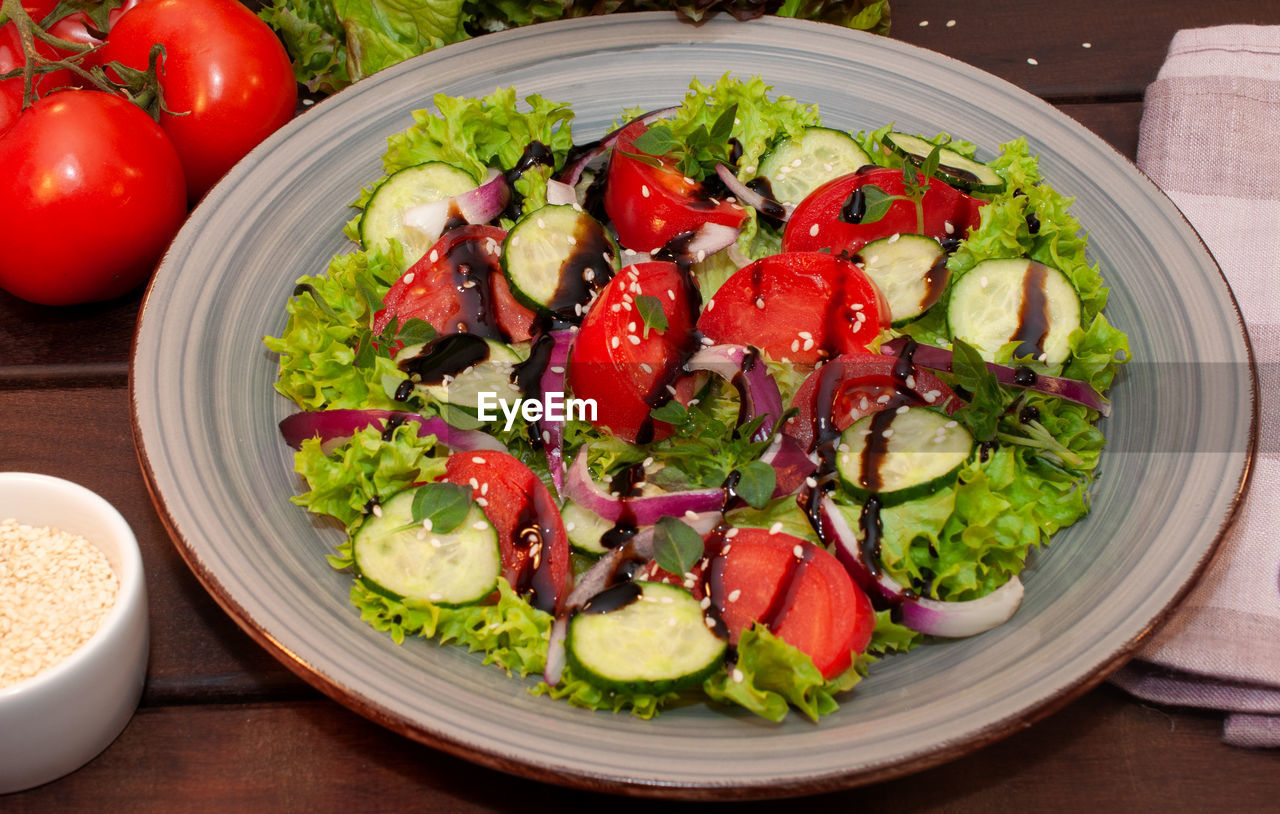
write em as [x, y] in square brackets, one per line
[1128, 40]
[1104, 752]
[197, 651]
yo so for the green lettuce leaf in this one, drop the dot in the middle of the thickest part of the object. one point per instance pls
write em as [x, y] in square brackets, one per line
[511, 633]
[581, 693]
[321, 360]
[315, 40]
[364, 469]
[771, 676]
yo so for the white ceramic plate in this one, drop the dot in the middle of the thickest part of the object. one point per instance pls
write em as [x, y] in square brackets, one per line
[1181, 436]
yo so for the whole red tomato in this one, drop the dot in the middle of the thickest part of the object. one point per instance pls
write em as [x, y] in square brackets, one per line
[224, 70]
[92, 193]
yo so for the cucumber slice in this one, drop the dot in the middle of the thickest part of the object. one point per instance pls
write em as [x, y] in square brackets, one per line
[954, 168]
[455, 369]
[657, 643]
[585, 528]
[910, 271]
[557, 258]
[1001, 301]
[384, 212]
[902, 454]
[798, 166]
[402, 560]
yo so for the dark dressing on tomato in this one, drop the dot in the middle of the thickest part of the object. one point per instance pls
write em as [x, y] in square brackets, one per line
[1033, 313]
[664, 386]
[854, 208]
[470, 263]
[535, 578]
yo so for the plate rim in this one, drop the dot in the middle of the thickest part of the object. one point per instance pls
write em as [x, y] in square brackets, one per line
[591, 781]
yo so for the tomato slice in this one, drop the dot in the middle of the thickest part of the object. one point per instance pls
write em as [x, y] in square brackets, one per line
[796, 589]
[626, 372]
[649, 205]
[458, 287]
[855, 385]
[801, 307]
[532, 537]
[818, 223]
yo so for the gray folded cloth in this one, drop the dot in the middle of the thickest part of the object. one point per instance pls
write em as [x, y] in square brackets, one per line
[1210, 138]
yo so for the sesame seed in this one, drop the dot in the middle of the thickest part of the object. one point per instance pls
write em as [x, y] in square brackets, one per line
[615, 342]
[731, 533]
[426, 523]
[706, 602]
[734, 594]
[434, 256]
[811, 482]
[408, 278]
[436, 597]
[951, 23]
[857, 306]
[1032, 61]
[798, 550]
[984, 281]
[795, 345]
[1086, 45]
[760, 302]
[671, 295]
[711, 303]
[924, 23]
[476, 459]
[615, 308]
[902, 410]
[910, 381]
[813, 230]
[888, 433]
[479, 525]
[949, 227]
[481, 502]
[633, 339]
[55, 590]
[776, 527]
[710, 622]
[951, 425]
[377, 510]
[689, 514]
[738, 677]
[724, 551]
[805, 335]
[644, 190]
[646, 367]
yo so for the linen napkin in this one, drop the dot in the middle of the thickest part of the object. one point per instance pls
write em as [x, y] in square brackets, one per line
[1209, 138]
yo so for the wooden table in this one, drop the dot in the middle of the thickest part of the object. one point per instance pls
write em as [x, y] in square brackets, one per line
[223, 726]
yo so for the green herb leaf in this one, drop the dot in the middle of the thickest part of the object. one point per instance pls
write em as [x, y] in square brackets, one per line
[722, 129]
[658, 140]
[673, 412]
[877, 203]
[651, 313]
[676, 547]
[986, 406]
[415, 331]
[445, 504]
[756, 483]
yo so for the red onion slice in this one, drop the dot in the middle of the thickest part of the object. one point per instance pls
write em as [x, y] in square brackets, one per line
[642, 511]
[845, 542]
[747, 372]
[953, 620]
[708, 239]
[935, 358]
[573, 168]
[479, 205]
[560, 194]
[745, 194]
[553, 381]
[335, 425]
[956, 620]
[791, 464]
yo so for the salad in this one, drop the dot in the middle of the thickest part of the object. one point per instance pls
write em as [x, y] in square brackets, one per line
[725, 403]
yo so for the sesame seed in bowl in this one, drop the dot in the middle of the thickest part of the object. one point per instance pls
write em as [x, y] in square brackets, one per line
[74, 632]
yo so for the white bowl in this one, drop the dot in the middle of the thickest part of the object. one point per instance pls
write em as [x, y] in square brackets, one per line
[59, 720]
